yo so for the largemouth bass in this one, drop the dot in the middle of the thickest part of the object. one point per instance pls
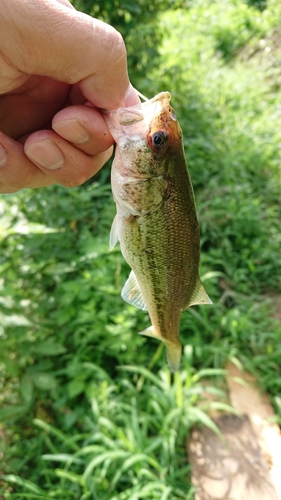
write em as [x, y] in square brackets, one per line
[156, 221]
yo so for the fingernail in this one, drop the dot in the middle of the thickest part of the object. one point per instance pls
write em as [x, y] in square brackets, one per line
[46, 154]
[3, 156]
[72, 131]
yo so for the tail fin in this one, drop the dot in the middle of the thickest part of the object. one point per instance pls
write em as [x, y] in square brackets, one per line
[173, 356]
[173, 351]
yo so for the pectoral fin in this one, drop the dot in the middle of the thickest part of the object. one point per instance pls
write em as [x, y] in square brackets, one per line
[132, 294]
[173, 351]
[199, 295]
[113, 238]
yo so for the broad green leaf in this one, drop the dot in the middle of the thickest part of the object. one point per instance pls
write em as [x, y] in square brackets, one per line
[44, 381]
[48, 348]
[13, 412]
[26, 388]
[14, 320]
[75, 387]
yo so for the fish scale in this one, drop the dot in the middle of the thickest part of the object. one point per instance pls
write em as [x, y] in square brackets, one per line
[156, 222]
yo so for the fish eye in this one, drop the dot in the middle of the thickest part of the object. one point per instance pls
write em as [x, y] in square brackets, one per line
[159, 139]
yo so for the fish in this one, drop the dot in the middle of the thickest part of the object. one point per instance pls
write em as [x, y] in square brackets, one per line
[156, 223]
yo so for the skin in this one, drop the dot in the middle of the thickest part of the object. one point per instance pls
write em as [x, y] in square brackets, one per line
[58, 68]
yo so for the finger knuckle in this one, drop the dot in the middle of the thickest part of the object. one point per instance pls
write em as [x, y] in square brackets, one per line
[75, 181]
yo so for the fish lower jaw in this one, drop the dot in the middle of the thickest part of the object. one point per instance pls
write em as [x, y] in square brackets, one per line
[129, 177]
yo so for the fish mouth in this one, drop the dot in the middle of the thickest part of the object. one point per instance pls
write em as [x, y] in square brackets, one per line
[125, 116]
[135, 114]
[130, 116]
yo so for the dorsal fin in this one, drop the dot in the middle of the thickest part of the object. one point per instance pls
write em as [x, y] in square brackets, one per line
[199, 295]
[132, 294]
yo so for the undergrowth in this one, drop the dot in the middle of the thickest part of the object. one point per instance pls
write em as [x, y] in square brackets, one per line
[89, 408]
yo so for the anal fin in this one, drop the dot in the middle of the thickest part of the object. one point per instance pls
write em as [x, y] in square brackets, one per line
[150, 332]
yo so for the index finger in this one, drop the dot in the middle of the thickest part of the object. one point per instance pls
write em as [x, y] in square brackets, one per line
[53, 40]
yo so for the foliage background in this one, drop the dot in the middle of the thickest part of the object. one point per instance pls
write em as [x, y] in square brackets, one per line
[76, 423]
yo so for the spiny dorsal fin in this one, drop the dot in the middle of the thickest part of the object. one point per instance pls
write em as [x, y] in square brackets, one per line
[113, 238]
[131, 292]
[199, 295]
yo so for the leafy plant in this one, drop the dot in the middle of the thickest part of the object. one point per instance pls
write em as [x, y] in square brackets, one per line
[126, 446]
[89, 408]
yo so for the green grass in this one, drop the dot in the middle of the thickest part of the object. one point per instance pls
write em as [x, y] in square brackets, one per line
[124, 445]
[89, 408]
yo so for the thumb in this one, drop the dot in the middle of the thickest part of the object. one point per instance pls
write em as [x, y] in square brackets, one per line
[46, 37]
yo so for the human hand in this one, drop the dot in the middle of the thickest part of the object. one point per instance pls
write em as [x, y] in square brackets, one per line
[58, 67]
